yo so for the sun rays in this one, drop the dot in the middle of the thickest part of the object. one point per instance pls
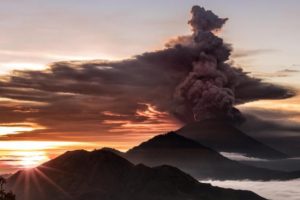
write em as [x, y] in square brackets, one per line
[33, 179]
[18, 155]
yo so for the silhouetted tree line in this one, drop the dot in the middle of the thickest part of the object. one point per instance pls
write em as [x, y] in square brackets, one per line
[3, 194]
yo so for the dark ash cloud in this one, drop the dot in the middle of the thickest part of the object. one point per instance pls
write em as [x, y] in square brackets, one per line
[189, 79]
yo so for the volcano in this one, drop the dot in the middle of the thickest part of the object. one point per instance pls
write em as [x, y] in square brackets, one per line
[223, 136]
[198, 160]
[101, 174]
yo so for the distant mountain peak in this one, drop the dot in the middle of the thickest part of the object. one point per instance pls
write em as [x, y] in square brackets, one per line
[80, 160]
[223, 136]
[113, 150]
[169, 140]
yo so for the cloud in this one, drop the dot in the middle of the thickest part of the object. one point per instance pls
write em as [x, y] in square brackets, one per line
[72, 99]
[240, 157]
[274, 128]
[251, 89]
[284, 189]
[289, 71]
[279, 74]
[242, 53]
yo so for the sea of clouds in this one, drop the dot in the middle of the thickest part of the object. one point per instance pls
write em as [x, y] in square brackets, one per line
[273, 190]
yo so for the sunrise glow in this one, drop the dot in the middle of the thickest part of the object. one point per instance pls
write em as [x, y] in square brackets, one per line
[8, 130]
[37, 145]
[29, 159]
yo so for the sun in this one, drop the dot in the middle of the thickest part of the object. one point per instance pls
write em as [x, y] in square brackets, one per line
[30, 154]
[30, 159]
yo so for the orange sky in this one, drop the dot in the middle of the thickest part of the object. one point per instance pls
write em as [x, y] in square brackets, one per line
[36, 124]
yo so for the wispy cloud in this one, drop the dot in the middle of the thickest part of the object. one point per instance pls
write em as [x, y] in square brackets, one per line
[243, 53]
[286, 72]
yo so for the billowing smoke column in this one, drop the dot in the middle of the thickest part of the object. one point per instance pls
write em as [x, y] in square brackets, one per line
[209, 89]
[190, 79]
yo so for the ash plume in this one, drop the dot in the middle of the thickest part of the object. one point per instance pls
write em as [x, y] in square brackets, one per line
[190, 79]
[209, 89]
[205, 20]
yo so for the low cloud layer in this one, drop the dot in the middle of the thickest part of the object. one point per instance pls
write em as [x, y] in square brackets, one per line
[284, 189]
[190, 79]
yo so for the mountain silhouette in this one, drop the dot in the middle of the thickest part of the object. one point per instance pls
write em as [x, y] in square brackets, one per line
[199, 161]
[222, 136]
[101, 174]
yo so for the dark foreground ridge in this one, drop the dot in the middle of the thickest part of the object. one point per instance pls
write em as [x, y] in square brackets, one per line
[199, 161]
[222, 136]
[101, 174]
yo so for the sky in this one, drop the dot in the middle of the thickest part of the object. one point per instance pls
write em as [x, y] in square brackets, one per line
[39, 121]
